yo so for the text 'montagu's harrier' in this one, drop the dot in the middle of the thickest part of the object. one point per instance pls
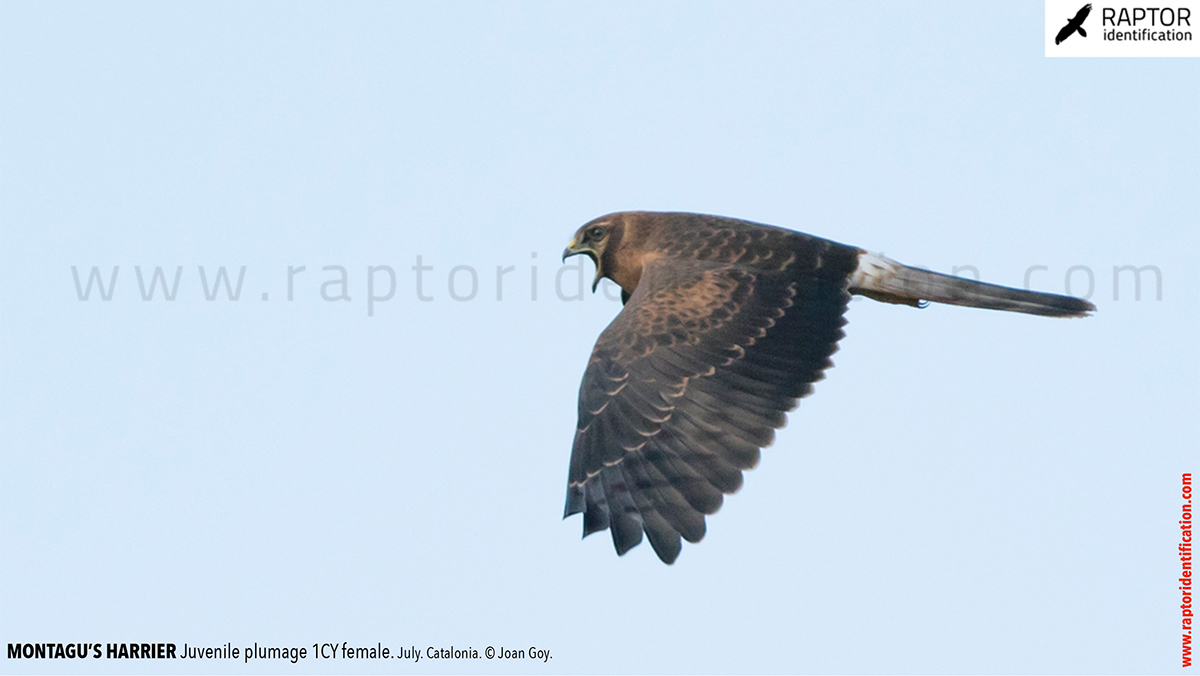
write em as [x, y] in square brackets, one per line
[726, 325]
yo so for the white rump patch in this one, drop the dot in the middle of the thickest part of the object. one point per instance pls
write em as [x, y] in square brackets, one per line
[873, 271]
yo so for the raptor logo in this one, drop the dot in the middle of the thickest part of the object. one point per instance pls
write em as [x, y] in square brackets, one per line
[1075, 24]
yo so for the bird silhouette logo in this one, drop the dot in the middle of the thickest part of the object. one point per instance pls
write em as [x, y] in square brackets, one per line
[1075, 24]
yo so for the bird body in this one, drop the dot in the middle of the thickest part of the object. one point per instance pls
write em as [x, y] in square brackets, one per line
[726, 325]
[1074, 24]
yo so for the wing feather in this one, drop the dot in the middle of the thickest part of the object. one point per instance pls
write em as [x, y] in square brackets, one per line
[624, 518]
[692, 379]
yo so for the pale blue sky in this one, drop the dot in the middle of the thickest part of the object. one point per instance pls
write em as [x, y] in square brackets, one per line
[967, 491]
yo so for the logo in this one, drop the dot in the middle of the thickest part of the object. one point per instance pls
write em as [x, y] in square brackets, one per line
[1075, 24]
[1122, 28]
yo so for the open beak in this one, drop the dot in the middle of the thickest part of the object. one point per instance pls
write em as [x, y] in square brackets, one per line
[574, 249]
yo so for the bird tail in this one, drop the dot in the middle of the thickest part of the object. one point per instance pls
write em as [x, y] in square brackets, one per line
[1081, 31]
[886, 280]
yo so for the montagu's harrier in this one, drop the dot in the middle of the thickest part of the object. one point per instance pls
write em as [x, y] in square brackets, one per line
[726, 325]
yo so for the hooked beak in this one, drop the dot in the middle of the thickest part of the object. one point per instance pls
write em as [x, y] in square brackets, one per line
[574, 249]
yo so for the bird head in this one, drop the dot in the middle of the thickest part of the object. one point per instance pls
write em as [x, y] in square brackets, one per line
[593, 239]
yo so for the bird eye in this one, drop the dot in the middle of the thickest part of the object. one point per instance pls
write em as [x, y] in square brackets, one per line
[596, 233]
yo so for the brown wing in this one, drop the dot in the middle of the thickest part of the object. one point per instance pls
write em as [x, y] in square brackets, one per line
[690, 380]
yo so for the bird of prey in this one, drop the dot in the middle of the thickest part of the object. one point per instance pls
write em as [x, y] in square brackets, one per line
[1073, 25]
[726, 324]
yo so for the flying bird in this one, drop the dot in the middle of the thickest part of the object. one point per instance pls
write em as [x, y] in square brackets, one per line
[726, 324]
[1073, 25]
